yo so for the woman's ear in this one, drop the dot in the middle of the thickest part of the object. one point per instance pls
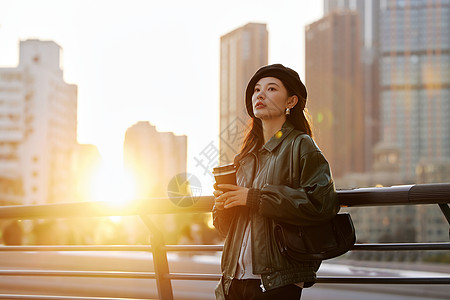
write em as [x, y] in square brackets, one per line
[292, 101]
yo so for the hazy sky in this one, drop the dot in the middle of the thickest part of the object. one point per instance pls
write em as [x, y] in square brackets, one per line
[155, 61]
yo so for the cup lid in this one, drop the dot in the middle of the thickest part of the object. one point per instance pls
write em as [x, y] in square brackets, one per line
[224, 169]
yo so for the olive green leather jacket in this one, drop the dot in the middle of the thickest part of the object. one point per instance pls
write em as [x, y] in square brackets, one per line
[310, 199]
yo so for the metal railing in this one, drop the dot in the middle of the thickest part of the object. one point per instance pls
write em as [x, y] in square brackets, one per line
[384, 196]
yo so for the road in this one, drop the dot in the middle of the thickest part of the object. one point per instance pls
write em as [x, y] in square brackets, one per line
[180, 263]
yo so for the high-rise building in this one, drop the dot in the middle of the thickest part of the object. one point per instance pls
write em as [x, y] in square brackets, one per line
[11, 190]
[12, 128]
[242, 52]
[153, 158]
[330, 6]
[334, 82]
[368, 13]
[415, 81]
[407, 43]
[38, 123]
[415, 96]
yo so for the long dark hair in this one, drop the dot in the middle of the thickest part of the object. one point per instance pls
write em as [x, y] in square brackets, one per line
[254, 138]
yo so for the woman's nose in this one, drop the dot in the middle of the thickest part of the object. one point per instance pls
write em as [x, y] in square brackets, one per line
[260, 95]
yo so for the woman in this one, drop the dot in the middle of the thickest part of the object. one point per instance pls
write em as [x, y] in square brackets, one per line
[267, 191]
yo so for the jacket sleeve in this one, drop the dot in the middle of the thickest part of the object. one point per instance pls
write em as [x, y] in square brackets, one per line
[312, 199]
[222, 220]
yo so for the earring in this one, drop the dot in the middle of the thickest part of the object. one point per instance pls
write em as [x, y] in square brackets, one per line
[288, 111]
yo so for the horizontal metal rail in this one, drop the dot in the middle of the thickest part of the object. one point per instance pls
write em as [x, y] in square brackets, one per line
[77, 248]
[382, 196]
[384, 280]
[104, 209]
[51, 297]
[401, 246]
[58, 273]
[193, 247]
[137, 248]
[216, 248]
[216, 277]
[437, 193]
[335, 280]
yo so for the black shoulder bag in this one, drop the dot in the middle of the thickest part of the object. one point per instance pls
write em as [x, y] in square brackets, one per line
[327, 240]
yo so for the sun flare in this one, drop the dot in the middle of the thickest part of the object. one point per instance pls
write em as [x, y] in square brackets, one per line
[114, 186]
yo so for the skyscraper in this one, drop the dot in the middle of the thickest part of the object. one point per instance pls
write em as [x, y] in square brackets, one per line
[415, 81]
[242, 52]
[330, 6]
[415, 96]
[38, 127]
[368, 13]
[334, 82]
[406, 54]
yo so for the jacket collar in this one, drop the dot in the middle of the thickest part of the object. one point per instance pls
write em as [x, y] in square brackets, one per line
[278, 137]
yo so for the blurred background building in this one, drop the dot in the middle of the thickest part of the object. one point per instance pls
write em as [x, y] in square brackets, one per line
[415, 99]
[368, 16]
[11, 190]
[334, 79]
[153, 158]
[242, 52]
[404, 53]
[415, 81]
[38, 124]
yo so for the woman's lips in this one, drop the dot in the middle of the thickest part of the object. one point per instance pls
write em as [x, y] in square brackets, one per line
[259, 105]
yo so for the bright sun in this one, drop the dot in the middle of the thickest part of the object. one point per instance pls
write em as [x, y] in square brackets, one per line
[114, 186]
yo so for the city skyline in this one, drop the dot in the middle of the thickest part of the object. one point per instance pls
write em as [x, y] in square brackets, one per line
[40, 104]
[127, 58]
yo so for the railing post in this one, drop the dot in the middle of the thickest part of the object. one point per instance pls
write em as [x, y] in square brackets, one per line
[446, 211]
[159, 260]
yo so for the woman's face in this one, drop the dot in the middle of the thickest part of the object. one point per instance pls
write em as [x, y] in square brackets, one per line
[270, 99]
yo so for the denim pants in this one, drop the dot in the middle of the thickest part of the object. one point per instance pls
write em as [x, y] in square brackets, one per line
[250, 289]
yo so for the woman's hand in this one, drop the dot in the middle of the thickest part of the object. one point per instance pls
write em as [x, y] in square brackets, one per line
[235, 196]
[219, 204]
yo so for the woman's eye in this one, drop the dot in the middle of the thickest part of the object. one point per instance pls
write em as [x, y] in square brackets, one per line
[271, 89]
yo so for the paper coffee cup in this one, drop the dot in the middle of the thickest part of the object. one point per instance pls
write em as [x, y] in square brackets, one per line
[225, 174]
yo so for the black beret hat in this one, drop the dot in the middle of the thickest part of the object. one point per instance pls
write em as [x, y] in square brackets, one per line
[288, 77]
